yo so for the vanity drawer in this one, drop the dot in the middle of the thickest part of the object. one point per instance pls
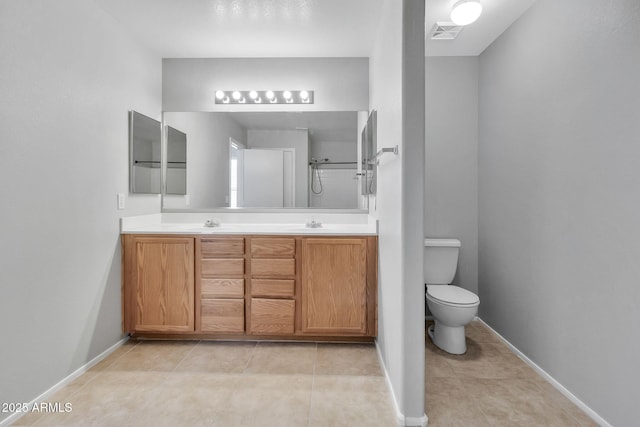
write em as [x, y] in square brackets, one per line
[219, 247]
[272, 316]
[222, 288]
[272, 288]
[273, 247]
[222, 315]
[263, 267]
[222, 267]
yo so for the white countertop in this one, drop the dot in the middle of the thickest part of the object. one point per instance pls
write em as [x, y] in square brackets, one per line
[156, 224]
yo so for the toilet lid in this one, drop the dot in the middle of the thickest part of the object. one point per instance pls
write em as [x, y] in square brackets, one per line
[452, 294]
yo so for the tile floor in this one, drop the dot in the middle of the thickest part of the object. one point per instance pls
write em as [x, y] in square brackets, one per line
[204, 383]
[490, 386]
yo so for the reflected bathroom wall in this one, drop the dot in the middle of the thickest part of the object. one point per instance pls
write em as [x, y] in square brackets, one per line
[333, 188]
[145, 148]
[176, 177]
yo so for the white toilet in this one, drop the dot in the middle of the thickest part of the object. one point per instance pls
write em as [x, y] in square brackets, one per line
[452, 307]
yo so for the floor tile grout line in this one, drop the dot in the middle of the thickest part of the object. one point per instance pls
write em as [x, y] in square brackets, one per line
[253, 351]
[313, 381]
[136, 343]
[185, 356]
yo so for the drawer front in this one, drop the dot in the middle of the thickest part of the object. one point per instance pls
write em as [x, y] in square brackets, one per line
[272, 288]
[222, 315]
[222, 267]
[273, 267]
[273, 247]
[272, 316]
[219, 247]
[222, 288]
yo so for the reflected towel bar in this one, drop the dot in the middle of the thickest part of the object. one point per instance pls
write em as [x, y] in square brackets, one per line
[380, 152]
[154, 161]
[332, 163]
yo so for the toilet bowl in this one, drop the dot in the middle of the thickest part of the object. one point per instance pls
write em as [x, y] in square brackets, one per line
[452, 307]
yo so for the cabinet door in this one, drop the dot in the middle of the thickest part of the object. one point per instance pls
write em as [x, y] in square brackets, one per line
[334, 286]
[164, 284]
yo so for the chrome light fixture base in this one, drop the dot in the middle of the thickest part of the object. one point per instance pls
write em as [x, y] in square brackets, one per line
[252, 97]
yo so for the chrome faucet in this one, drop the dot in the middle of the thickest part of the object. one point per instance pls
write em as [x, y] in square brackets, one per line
[314, 224]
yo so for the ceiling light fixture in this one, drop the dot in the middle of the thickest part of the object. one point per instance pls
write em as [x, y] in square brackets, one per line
[221, 97]
[237, 96]
[269, 96]
[255, 97]
[466, 12]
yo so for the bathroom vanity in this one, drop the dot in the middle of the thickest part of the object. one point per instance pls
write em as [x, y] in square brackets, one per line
[292, 284]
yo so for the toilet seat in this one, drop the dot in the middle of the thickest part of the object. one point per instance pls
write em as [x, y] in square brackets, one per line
[452, 295]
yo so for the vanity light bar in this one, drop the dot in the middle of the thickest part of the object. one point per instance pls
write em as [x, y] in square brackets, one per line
[264, 97]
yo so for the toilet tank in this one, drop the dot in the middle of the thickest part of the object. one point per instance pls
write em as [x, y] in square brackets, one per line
[440, 260]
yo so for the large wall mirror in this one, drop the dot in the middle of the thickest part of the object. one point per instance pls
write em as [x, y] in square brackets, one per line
[145, 148]
[254, 160]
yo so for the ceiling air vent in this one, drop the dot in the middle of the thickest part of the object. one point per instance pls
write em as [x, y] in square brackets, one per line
[445, 31]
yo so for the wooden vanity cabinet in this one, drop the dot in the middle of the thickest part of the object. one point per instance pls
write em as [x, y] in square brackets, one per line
[159, 284]
[220, 270]
[250, 286]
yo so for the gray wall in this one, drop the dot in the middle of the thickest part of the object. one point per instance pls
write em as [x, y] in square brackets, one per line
[397, 93]
[340, 84]
[559, 192]
[69, 76]
[451, 159]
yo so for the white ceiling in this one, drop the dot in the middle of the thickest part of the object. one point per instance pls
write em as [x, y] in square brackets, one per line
[292, 28]
[497, 16]
[250, 28]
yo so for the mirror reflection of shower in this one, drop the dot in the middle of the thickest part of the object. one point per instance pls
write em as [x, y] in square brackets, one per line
[315, 176]
[333, 184]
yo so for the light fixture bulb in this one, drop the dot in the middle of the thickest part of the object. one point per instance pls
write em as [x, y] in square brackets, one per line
[304, 95]
[270, 94]
[220, 95]
[236, 95]
[466, 12]
[286, 94]
[253, 94]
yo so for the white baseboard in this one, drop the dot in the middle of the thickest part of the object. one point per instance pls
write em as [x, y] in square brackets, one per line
[416, 422]
[72, 376]
[590, 412]
[401, 419]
